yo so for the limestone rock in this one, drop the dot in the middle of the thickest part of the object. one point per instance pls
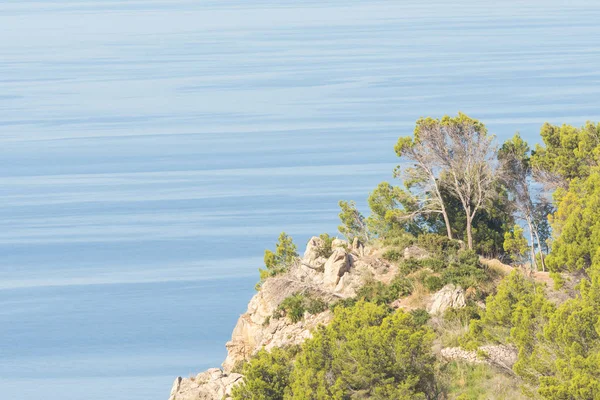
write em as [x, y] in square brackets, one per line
[338, 243]
[311, 257]
[253, 329]
[336, 266]
[357, 247]
[415, 252]
[449, 296]
[212, 384]
[337, 277]
[498, 355]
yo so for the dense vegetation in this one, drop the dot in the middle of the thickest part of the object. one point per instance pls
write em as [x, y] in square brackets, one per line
[461, 196]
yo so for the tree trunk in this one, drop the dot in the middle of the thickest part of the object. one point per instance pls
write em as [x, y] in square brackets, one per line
[447, 222]
[532, 246]
[537, 237]
[469, 232]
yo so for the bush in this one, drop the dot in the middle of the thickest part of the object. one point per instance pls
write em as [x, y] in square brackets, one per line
[394, 254]
[438, 244]
[420, 316]
[433, 283]
[379, 293]
[315, 306]
[296, 305]
[279, 261]
[266, 376]
[401, 242]
[470, 312]
[467, 271]
[437, 264]
[365, 352]
[325, 249]
[409, 266]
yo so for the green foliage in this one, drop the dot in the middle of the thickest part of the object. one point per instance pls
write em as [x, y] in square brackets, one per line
[489, 224]
[514, 314]
[380, 293]
[464, 381]
[388, 205]
[295, 306]
[433, 283]
[567, 154]
[569, 355]
[465, 271]
[365, 352]
[266, 376]
[353, 222]
[465, 314]
[279, 261]
[437, 244]
[515, 244]
[576, 226]
[393, 254]
[400, 242]
[420, 316]
[325, 249]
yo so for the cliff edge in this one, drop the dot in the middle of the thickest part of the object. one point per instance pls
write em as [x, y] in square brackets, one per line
[336, 277]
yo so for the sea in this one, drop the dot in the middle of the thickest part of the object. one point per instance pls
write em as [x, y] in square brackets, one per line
[151, 150]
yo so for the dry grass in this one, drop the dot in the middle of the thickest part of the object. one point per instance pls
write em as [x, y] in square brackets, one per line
[448, 332]
[465, 381]
[496, 266]
[419, 298]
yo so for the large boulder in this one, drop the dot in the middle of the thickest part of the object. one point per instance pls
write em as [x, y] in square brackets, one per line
[312, 257]
[256, 328]
[336, 266]
[339, 244]
[357, 247]
[450, 296]
[212, 384]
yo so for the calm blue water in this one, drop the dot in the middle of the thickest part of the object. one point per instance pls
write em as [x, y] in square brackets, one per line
[151, 150]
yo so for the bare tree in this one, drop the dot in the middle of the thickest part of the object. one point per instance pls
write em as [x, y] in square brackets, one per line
[466, 156]
[515, 173]
[422, 178]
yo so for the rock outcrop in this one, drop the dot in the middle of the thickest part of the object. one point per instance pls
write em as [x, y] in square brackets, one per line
[500, 356]
[208, 385]
[450, 296]
[336, 266]
[339, 276]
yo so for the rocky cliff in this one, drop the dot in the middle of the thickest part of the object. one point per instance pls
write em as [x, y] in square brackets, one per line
[347, 268]
[339, 276]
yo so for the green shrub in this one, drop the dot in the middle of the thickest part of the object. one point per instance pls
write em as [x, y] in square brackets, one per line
[464, 381]
[409, 266]
[401, 242]
[266, 376]
[279, 261]
[380, 293]
[315, 306]
[437, 264]
[325, 249]
[437, 244]
[433, 283]
[420, 316]
[366, 352]
[465, 314]
[294, 307]
[467, 271]
[559, 281]
[394, 254]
